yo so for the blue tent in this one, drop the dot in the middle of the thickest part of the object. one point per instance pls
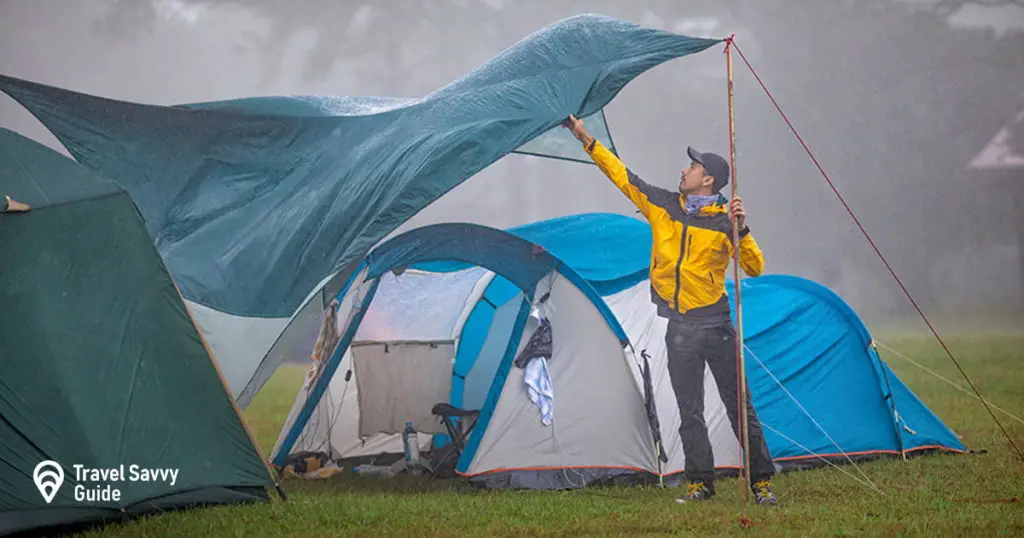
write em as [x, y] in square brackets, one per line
[256, 203]
[819, 386]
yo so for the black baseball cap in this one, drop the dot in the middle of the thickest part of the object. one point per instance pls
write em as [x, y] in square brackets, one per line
[715, 166]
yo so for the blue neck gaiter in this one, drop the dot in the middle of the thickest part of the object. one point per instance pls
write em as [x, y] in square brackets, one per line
[695, 203]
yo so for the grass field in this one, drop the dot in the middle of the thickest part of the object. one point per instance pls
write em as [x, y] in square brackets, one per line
[963, 495]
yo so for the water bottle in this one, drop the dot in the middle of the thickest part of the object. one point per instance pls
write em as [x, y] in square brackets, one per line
[412, 449]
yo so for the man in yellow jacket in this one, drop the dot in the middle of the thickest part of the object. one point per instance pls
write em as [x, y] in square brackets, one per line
[692, 231]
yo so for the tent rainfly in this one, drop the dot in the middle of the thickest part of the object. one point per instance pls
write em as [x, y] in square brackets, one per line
[98, 352]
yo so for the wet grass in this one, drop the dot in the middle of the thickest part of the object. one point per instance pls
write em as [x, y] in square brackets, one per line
[952, 495]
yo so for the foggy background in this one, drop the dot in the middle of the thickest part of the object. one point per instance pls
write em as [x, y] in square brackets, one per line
[896, 98]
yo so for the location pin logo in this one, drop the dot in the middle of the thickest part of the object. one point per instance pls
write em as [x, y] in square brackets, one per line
[48, 476]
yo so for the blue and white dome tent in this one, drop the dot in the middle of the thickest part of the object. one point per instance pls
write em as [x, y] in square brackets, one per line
[438, 314]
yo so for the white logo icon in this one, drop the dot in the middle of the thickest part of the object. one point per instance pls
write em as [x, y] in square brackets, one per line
[48, 476]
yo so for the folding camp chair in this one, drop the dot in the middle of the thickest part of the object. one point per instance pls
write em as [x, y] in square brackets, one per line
[459, 423]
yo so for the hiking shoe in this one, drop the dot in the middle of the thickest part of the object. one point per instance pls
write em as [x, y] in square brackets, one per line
[697, 491]
[763, 493]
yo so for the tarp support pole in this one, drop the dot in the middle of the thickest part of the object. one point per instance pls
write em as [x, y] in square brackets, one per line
[741, 371]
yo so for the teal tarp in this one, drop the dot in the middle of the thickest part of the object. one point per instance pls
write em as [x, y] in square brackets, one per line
[254, 202]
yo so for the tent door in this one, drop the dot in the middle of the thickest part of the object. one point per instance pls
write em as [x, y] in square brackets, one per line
[401, 381]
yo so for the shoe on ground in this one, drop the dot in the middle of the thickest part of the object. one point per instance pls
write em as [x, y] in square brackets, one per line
[697, 491]
[763, 493]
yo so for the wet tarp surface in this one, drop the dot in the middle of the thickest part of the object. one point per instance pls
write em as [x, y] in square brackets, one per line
[253, 202]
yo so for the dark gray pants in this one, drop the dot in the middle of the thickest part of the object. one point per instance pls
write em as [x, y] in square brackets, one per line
[690, 344]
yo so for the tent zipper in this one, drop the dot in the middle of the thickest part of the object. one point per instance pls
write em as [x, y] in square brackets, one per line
[679, 263]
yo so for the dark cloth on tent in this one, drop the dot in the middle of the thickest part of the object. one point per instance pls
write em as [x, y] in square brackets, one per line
[540, 345]
[691, 342]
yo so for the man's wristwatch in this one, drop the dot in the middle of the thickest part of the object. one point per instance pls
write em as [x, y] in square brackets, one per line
[744, 230]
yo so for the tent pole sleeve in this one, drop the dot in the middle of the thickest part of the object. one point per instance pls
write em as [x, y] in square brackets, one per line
[494, 393]
[880, 371]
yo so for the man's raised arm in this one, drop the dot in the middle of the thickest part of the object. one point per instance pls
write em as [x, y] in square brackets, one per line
[629, 183]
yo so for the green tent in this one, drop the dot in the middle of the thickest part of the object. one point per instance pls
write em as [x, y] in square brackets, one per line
[101, 366]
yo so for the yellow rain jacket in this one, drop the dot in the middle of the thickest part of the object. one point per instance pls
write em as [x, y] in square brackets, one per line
[691, 253]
